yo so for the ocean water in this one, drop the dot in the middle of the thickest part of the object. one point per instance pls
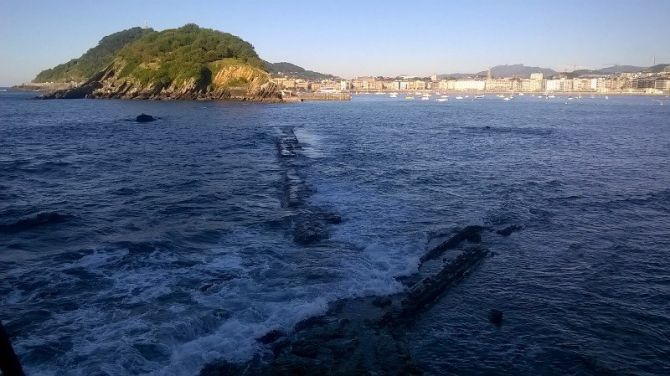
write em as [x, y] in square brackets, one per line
[155, 248]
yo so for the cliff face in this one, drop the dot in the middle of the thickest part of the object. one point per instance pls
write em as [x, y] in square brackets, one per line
[231, 81]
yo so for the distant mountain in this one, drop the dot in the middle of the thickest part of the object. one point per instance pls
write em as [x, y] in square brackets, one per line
[517, 70]
[456, 76]
[620, 69]
[285, 69]
[657, 68]
[522, 71]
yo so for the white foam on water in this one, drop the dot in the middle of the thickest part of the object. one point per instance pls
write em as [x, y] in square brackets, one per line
[309, 141]
[191, 308]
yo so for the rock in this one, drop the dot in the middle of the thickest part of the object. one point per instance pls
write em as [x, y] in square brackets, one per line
[221, 368]
[496, 317]
[9, 362]
[425, 293]
[305, 349]
[309, 230]
[144, 118]
[382, 301]
[271, 336]
[507, 231]
[332, 218]
[469, 233]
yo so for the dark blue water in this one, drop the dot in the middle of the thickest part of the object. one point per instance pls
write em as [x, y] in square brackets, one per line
[156, 248]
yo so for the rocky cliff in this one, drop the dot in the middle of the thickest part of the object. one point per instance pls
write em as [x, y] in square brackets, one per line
[230, 82]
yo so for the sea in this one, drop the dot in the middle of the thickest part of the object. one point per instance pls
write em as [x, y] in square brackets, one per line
[156, 248]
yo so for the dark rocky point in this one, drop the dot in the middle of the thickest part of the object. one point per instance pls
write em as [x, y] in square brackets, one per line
[496, 317]
[309, 230]
[144, 118]
[271, 336]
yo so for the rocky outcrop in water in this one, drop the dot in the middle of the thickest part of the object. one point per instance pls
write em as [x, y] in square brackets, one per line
[366, 335]
[310, 224]
[357, 336]
[144, 118]
[9, 362]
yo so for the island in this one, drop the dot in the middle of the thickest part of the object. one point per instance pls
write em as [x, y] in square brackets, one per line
[189, 62]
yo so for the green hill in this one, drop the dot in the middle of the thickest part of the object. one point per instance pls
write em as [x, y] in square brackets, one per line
[183, 53]
[189, 62]
[285, 69]
[94, 60]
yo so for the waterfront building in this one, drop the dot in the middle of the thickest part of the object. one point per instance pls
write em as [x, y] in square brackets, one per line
[470, 85]
[498, 84]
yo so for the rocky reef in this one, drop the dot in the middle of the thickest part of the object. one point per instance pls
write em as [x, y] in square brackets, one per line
[359, 336]
[310, 224]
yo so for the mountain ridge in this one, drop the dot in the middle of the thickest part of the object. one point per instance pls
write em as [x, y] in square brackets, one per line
[523, 71]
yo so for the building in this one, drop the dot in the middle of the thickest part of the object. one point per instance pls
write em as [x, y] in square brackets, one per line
[498, 85]
[469, 85]
[561, 84]
[584, 84]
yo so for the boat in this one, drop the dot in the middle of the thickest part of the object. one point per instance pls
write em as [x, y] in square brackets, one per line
[409, 97]
[479, 96]
[393, 95]
[459, 97]
[441, 99]
[425, 98]
[507, 98]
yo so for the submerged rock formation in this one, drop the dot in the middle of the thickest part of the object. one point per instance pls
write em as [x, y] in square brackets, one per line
[357, 336]
[366, 335]
[310, 224]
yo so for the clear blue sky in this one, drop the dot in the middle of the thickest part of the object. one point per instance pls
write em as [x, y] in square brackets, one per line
[360, 37]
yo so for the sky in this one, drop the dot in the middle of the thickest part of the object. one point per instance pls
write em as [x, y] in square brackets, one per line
[355, 38]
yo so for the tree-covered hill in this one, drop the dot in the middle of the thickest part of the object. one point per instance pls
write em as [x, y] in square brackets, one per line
[94, 60]
[183, 53]
[189, 62]
[285, 69]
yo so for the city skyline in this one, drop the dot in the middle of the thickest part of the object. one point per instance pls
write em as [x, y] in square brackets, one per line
[356, 39]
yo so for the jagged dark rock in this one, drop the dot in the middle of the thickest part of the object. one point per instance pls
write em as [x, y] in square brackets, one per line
[9, 362]
[309, 230]
[271, 336]
[496, 317]
[469, 233]
[144, 118]
[424, 293]
[507, 231]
